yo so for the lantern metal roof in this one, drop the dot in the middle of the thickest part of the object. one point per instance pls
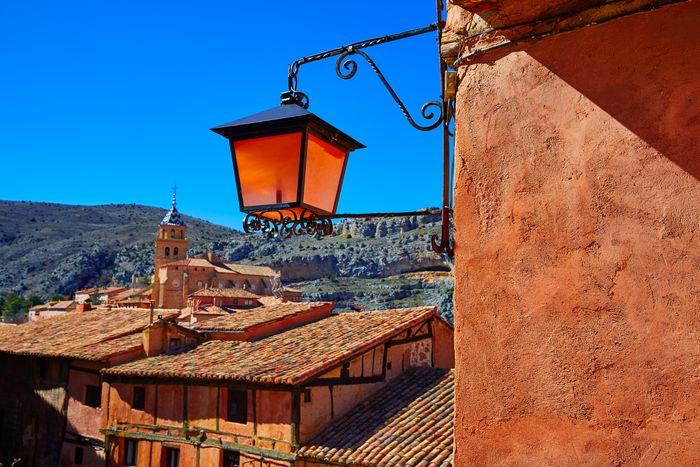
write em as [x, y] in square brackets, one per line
[284, 117]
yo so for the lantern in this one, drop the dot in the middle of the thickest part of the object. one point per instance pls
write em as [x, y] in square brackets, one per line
[288, 162]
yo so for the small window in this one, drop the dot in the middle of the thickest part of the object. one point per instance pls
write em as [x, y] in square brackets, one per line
[307, 395]
[175, 343]
[92, 395]
[172, 233]
[345, 371]
[231, 459]
[176, 250]
[237, 407]
[388, 366]
[78, 456]
[200, 284]
[172, 457]
[130, 452]
[220, 285]
[139, 402]
[167, 251]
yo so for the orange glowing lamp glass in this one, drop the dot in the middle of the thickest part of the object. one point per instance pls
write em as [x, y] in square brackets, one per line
[288, 160]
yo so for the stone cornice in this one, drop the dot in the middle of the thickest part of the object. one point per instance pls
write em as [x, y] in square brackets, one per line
[471, 34]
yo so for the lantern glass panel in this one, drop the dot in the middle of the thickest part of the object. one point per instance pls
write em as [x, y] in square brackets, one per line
[324, 169]
[268, 169]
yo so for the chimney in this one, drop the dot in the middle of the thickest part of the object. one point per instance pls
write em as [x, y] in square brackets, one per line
[82, 307]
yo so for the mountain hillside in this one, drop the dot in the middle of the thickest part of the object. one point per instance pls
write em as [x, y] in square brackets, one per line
[52, 248]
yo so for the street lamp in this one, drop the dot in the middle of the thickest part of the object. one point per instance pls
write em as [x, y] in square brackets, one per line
[289, 164]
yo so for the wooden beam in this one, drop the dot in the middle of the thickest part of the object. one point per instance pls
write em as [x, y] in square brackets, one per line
[255, 450]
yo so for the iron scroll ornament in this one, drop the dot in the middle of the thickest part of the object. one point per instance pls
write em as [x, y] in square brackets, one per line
[350, 67]
[286, 224]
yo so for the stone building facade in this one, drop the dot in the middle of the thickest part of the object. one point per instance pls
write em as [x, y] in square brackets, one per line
[176, 277]
[577, 260]
[268, 381]
[50, 390]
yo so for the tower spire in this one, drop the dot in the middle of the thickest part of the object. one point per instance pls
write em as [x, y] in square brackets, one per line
[172, 217]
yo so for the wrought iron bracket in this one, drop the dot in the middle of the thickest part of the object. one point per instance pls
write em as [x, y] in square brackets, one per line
[346, 68]
[275, 224]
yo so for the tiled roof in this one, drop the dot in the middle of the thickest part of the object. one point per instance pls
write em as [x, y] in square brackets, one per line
[212, 310]
[101, 290]
[224, 267]
[245, 319]
[290, 357]
[91, 335]
[128, 293]
[224, 292]
[118, 345]
[407, 423]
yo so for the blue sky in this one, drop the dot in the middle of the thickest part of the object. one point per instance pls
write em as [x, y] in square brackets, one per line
[111, 102]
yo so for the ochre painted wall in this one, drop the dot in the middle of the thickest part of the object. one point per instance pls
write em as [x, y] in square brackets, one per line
[577, 268]
[321, 410]
[82, 419]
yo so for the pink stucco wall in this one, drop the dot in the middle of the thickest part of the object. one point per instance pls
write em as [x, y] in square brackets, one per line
[577, 268]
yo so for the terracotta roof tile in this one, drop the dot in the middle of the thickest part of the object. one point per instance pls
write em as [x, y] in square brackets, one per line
[224, 267]
[91, 335]
[129, 293]
[408, 423]
[245, 319]
[290, 357]
[101, 290]
[224, 292]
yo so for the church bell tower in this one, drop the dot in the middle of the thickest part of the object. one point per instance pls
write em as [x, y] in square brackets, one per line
[171, 243]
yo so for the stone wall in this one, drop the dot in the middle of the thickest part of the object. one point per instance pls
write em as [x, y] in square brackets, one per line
[577, 224]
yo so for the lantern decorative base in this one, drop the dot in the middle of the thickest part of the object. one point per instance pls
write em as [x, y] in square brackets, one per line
[286, 224]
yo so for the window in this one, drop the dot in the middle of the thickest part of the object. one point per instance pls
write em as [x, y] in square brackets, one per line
[130, 452]
[345, 371]
[175, 251]
[139, 402]
[388, 366]
[175, 343]
[231, 459]
[78, 456]
[307, 395]
[237, 407]
[221, 285]
[167, 251]
[172, 233]
[172, 457]
[200, 284]
[92, 395]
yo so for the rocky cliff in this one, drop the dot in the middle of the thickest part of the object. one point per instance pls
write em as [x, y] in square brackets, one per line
[53, 248]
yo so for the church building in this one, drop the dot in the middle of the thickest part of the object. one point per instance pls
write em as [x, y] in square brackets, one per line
[177, 277]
